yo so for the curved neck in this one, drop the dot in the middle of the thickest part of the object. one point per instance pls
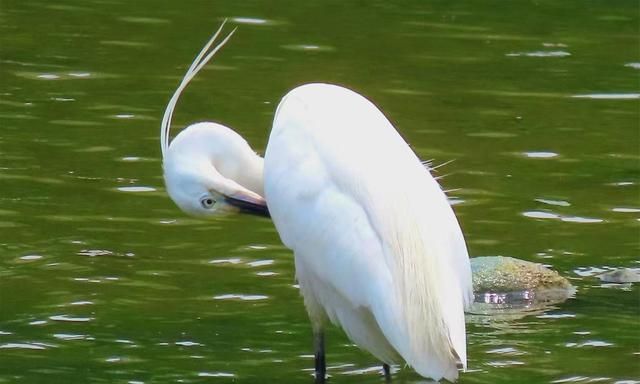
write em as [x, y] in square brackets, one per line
[249, 173]
[203, 145]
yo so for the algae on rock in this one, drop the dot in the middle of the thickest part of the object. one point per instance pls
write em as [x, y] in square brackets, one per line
[506, 274]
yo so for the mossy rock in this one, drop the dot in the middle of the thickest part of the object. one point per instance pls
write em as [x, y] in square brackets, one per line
[506, 288]
[506, 274]
[621, 276]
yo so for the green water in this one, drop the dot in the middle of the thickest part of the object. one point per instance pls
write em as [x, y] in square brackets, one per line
[102, 279]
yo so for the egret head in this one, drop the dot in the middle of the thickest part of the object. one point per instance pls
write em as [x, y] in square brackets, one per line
[210, 170]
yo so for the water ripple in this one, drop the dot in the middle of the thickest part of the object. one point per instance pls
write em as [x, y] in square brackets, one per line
[622, 183]
[506, 363]
[493, 135]
[68, 337]
[588, 271]
[541, 215]
[70, 319]
[560, 203]
[187, 343]
[233, 296]
[253, 21]
[36, 346]
[572, 379]
[540, 154]
[216, 374]
[510, 351]
[308, 47]
[362, 371]
[136, 189]
[233, 260]
[609, 96]
[75, 75]
[143, 20]
[561, 45]
[82, 302]
[589, 343]
[94, 252]
[260, 263]
[539, 54]
[76, 123]
[583, 220]
[556, 316]
[555, 216]
[625, 210]
[125, 43]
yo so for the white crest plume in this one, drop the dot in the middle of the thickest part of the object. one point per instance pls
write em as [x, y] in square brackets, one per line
[198, 63]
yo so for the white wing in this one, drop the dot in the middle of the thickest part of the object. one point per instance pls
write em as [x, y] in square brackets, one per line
[378, 249]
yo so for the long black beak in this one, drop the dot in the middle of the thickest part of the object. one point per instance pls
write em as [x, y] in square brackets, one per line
[258, 208]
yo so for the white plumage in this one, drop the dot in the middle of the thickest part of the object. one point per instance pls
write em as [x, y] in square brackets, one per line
[377, 247]
[378, 250]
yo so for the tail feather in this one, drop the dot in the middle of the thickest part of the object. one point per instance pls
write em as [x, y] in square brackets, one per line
[430, 280]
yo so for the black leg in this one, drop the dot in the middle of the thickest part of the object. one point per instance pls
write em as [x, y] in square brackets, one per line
[321, 366]
[387, 372]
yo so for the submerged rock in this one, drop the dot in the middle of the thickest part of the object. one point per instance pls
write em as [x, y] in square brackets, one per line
[505, 283]
[620, 276]
[506, 274]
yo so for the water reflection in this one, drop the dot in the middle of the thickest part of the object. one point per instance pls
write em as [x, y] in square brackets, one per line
[143, 20]
[71, 75]
[499, 309]
[234, 296]
[625, 210]
[540, 154]
[556, 216]
[559, 203]
[136, 189]
[216, 374]
[36, 346]
[69, 318]
[126, 43]
[308, 47]
[609, 96]
[70, 337]
[539, 54]
[253, 21]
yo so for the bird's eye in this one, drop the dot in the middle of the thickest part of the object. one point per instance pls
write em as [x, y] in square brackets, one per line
[207, 202]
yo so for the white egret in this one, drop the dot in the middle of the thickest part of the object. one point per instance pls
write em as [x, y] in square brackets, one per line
[378, 250]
